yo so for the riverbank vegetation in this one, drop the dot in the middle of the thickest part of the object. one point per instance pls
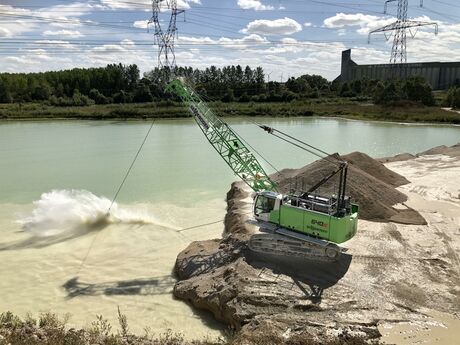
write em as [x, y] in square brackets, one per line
[345, 108]
[48, 329]
[119, 92]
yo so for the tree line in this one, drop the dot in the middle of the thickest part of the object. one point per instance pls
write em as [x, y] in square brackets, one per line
[118, 83]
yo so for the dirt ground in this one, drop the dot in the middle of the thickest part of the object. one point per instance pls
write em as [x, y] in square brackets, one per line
[395, 280]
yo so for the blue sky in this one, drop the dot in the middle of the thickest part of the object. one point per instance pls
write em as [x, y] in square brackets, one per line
[286, 37]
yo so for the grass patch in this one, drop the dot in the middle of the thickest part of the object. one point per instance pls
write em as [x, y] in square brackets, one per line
[49, 329]
[334, 107]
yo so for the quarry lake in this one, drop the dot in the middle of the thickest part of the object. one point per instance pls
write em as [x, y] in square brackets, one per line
[57, 179]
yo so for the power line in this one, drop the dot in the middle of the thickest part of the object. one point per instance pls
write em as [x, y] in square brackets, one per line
[400, 27]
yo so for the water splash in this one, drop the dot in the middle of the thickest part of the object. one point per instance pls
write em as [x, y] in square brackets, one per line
[61, 212]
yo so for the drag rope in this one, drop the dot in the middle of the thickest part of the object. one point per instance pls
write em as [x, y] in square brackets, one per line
[130, 167]
[118, 191]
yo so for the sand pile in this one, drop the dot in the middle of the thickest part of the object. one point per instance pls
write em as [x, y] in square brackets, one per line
[370, 184]
[452, 151]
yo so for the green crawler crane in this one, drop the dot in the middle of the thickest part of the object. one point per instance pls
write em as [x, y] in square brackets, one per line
[299, 224]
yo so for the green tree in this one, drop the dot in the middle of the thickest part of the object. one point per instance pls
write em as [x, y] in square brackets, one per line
[453, 98]
[5, 95]
[387, 93]
[346, 91]
[418, 90]
[98, 97]
[229, 96]
[142, 94]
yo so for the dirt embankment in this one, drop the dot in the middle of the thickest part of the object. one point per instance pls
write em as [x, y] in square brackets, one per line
[391, 274]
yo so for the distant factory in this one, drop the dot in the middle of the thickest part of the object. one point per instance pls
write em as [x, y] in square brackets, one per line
[440, 75]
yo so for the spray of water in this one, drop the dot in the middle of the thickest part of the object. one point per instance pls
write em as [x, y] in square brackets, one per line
[61, 212]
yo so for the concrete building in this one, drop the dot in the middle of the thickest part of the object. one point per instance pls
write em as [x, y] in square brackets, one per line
[440, 75]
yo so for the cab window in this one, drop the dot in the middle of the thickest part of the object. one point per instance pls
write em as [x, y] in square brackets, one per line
[264, 204]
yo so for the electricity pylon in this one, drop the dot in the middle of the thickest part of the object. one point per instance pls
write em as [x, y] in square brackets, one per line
[165, 39]
[400, 27]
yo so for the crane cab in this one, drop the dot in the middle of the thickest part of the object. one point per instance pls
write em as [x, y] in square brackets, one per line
[265, 202]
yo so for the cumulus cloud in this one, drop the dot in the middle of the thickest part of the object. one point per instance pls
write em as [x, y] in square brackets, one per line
[141, 24]
[13, 26]
[239, 43]
[57, 44]
[4, 32]
[68, 33]
[144, 4]
[23, 20]
[242, 42]
[254, 5]
[75, 9]
[284, 26]
[365, 22]
[124, 46]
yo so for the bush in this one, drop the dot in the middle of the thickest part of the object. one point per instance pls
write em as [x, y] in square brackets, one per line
[142, 94]
[229, 96]
[453, 98]
[122, 97]
[245, 98]
[346, 91]
[418, 90]
[98, 97]
[387, 93]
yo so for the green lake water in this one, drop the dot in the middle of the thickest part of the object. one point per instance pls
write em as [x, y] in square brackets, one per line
[177, 163]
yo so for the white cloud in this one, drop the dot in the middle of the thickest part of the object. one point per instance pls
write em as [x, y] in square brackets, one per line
[12, 25]
[75, 9]
[195, 40]
[141, 24]
[4, 32]
[244, 42]
[22, 20]
[285, 26]
[238, 43]
[123, 47]
[57, 44]
[254, 5]
[366, 22]
[27, 61]
[307, 24]
[68, 33]
[144, 4]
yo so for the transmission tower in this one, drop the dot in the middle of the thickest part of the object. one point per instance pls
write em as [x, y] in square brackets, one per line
[165, 39]
[400, 27]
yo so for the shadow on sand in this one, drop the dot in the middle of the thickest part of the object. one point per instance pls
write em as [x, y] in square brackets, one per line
[161, 285]
[148, 286]
[311, 277]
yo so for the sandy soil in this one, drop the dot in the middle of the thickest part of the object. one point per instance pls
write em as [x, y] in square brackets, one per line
[435, 192]
[397, 280]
